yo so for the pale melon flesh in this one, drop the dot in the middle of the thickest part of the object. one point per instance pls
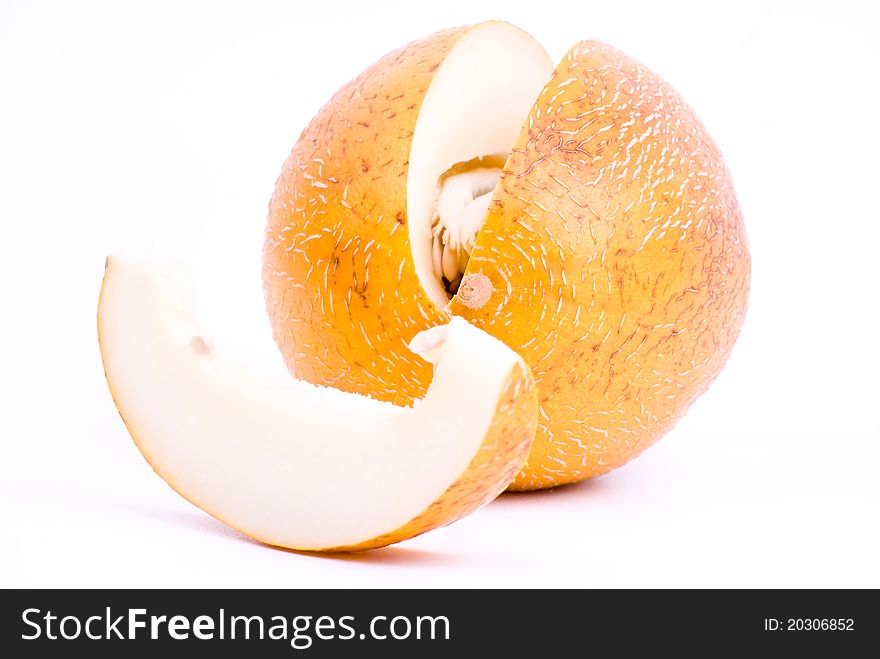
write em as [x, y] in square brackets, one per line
[286, 462]
[473, 111]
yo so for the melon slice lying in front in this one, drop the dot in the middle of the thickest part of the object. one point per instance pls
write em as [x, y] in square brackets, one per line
[301, 466]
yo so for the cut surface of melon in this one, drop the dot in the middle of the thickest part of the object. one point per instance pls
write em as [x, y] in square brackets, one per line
[297, 465]
[472, 114]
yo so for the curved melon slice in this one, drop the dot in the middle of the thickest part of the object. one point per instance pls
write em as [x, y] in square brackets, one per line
[300, 466]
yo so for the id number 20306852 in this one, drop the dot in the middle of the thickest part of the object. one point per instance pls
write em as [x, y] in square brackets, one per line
[809, 624]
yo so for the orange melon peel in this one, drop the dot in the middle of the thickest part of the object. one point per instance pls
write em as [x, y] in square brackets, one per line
[581, 215]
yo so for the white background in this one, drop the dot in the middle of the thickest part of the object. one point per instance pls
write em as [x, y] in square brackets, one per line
[126, 125]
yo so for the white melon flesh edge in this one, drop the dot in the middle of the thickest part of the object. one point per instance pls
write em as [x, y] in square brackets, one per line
[283, 461]
[475, 106]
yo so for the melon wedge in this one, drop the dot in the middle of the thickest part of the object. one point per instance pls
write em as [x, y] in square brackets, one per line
[301, 466]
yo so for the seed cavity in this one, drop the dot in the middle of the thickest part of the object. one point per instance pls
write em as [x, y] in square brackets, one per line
[465, 191]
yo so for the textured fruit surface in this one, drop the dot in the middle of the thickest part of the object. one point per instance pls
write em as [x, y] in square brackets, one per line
[342, 290]
[618, 259]
[614, 246]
